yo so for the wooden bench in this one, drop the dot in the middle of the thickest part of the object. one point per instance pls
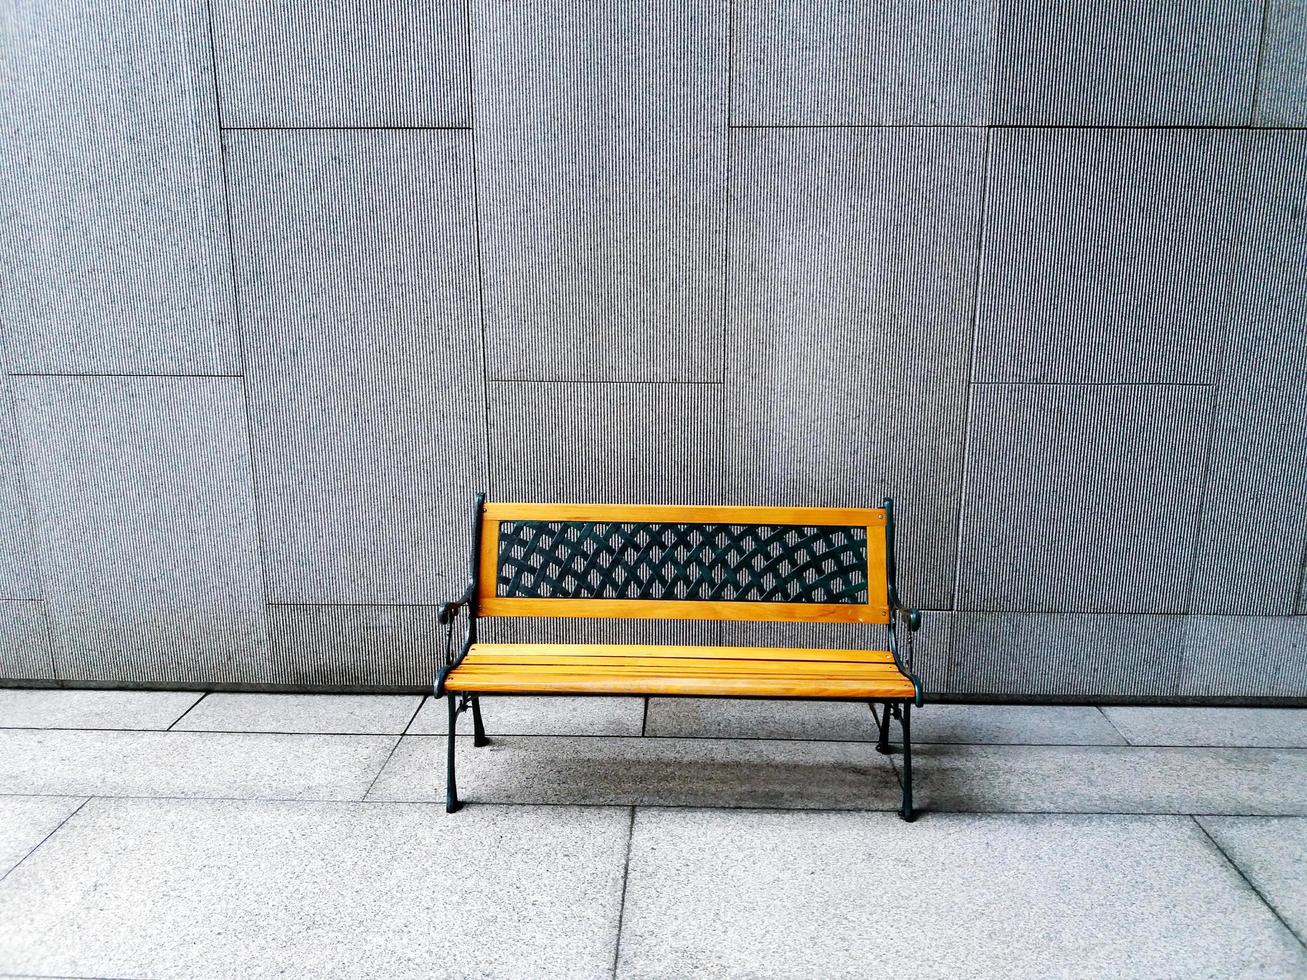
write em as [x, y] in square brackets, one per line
[626, 561]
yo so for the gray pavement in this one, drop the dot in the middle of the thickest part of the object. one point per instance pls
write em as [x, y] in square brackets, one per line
[173, 835]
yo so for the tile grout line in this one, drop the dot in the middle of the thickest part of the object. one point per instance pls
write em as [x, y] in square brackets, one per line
[381, 768]
[176, 721]
[693, 738]
[762, 808]
[621, 907]
[1239, 871]
[1123, 735]
[38, 844]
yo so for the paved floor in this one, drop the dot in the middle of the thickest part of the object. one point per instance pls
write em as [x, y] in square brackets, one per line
[174, 835]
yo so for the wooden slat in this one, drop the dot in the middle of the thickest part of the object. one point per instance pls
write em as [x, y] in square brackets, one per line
[787, 654]
[653, 513]
[670, 665]
[766, 687]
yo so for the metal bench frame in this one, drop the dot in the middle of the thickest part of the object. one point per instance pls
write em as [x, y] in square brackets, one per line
[899, 709]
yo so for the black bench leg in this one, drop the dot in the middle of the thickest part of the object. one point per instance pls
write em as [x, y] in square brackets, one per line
[882, 743]
[906, 813]
[478, 729]
[451, 788]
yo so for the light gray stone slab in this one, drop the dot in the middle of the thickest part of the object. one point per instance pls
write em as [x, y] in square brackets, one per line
[849, 364]
[732, 718]
[1282, 85]
[1258, 727]
[1067, 654]
[144, 511]
[645, 771]
[972, 896]
[1114, 63]
[356, 262]
[606, 443]
[1010, 724]
[26, 821]
[114, 240]
[1272, 853]
[340, 64]
[231, 889]
[348, 714]
[144, 710]
[1095, 509]
[602, 169]
[1245, 656]
[1110, 779]
[1255, 514]
[345, 645]
[830, 63]
[25, 642]
[508, 715]
[191, 764]
[1109, 255]
[930, 644]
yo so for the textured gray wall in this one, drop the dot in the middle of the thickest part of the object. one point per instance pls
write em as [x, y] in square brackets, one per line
[286, 282]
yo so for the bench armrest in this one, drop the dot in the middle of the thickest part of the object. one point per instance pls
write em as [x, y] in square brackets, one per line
[447, 616]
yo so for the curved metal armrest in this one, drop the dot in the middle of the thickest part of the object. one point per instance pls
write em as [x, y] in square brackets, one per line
[446, 616]
[912, 622]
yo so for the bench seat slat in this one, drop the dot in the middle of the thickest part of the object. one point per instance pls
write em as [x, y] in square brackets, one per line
[786, 654]
[669, 670]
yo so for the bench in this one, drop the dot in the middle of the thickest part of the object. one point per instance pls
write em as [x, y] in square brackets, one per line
[627, 561]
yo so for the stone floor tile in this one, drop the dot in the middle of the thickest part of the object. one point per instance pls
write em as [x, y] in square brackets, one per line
[655, 771]
[351, 714]
[60, 708]
[508, 715]
[1110, 779]
[1265, 727]
[1272, 854]
[190, 764]
[735, 718]
[215, 889]
[745, 894]
[1011, 725]
[25, 821]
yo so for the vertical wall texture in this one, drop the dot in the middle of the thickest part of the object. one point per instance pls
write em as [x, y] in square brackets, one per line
[286, 284]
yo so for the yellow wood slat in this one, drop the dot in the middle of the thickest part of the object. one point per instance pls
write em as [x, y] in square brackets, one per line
[797, 612]
[787, 654]
[673, 514]
[669, 665]
[772, 687]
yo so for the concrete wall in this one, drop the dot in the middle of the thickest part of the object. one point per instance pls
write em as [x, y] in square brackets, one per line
[285, 283]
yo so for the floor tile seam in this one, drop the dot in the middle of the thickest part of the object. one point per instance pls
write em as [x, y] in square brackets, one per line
[621, 906]
[923, 812]
[177, 720]
[1113, 725]
[37, 846]
[405, 733]
[382, 768]
[1246, 880]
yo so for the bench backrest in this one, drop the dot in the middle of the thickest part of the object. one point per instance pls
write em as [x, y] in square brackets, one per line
[628, 561]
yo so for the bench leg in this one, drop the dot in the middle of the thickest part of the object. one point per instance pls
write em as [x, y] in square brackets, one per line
[478, 729]
[451, 788]
[906, 813]
[882, 743]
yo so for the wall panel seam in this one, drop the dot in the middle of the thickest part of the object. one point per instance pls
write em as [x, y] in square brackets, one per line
[476, 213]
[238, 315]
[1257, 70]
[976, 279]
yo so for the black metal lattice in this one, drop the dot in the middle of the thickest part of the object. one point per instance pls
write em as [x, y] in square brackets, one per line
[724, 562]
